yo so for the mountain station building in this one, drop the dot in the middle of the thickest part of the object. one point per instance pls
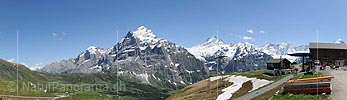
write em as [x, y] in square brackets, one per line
[331, 54]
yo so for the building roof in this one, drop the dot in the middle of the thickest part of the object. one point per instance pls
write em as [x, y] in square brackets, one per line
[277, 60]
[299, 54]
[327, 46]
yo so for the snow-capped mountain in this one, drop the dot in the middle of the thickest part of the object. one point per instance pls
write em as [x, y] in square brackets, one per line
[209, 48]
[95, 50]
[143, 55]
[275, 50]
[240, 56]
[283, 49]
[139, 54]
[246, 56]
[340, 41]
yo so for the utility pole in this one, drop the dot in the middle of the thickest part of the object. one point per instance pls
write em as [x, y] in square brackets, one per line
[280, 69]
[117, 68]
[218, 65]
[209, 84]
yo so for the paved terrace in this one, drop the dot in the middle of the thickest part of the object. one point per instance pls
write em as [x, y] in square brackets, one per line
[338, 83]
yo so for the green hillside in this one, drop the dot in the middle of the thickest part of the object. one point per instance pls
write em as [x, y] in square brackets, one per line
[8, 72]
[91, 86]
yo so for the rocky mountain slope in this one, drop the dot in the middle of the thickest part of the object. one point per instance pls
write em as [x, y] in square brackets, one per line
[139, 54]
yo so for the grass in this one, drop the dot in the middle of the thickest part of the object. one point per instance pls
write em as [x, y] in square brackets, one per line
[38, 89]
[132, 88]
[269, 94]
[317, 74]
[302, 76]
[300, 97]
[12, 98]
[200, 90]
[88, 96]
[305, 66]
[259, 74]
[128, 98]
[6, 87]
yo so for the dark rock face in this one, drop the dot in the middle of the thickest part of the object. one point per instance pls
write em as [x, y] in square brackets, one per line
[248, 63]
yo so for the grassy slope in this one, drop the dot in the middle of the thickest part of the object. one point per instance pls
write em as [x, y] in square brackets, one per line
[8, 72]
[200, 90]
[258, 74]
[300, 97]
[132, 88]
[8, 79]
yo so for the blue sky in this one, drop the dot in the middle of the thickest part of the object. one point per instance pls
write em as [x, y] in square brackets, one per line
[52, 30]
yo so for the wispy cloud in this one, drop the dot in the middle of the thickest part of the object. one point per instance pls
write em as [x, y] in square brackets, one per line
[250, 31]
[261, 31]
[254, 31]
[59, 36]
[246, 38]
[55, 34]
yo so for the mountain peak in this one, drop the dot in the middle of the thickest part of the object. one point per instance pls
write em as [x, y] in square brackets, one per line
[214, 40]
[94, 49]
[143, 32]
[339, 41]
[142, 28]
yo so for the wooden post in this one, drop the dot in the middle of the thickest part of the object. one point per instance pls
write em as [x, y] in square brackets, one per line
[303, 64]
